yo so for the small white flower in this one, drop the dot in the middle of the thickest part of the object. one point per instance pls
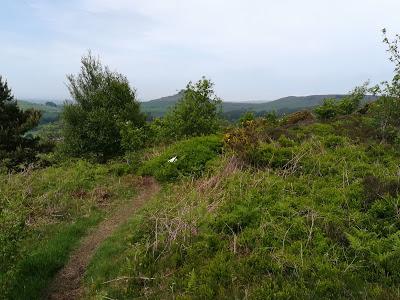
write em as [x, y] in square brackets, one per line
[172, 160]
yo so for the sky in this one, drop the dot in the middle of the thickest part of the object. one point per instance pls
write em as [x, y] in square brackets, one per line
[251, 49]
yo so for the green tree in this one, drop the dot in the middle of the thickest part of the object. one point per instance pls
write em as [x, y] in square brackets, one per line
[349, 104]
[197, 113]
[16, 149]
[103, 102]
[328, 109]
[386, 110]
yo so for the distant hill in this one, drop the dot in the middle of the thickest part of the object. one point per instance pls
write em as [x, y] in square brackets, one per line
[159, 107]
[233, 110]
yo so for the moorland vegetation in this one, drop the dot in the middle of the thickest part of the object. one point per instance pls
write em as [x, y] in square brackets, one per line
[302, 206]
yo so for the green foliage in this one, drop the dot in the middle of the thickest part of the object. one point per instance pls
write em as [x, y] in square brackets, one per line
[245, 140]
[191, 156]
[272, 117]
[328, 110]
[272, 156]
[51, 132]
[232, 111]
[37, 269]
[246, 117]
[321, 223]
[16, 150]
[104, 102]
[49, 114]
[45, 212]
[196, 114]
[332, 108]
[133, 138]
[386, 110]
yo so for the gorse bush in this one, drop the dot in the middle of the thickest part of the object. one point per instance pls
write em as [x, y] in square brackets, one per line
[104, 106]
[297, 118]
[246, 117]
[185, 158]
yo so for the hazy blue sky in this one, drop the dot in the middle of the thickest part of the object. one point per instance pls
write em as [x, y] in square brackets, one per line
[251, 49]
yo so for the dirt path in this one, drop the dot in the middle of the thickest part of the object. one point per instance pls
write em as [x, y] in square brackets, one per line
[67, 283]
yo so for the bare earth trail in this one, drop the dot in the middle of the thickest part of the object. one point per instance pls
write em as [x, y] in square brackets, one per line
[68, 282]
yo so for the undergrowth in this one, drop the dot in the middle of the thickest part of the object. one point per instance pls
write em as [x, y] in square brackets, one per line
[303, 222]
[185, 158]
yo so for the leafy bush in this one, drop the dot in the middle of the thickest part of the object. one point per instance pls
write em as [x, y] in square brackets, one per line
[191, 157]
[328, 110]
[349, 104]
[104, 102]
[196, 114]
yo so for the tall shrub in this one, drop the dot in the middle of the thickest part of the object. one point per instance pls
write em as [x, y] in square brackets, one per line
[103, 101]
[16, 149]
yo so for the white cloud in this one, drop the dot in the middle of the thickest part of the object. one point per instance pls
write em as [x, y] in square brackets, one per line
[252, 49]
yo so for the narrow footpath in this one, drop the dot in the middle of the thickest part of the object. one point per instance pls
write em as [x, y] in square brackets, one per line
[67, 284]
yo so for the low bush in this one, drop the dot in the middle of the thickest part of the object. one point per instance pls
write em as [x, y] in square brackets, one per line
[185, 158]
[298, 118]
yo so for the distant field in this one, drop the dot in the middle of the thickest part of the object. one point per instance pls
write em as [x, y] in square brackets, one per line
[50, 114]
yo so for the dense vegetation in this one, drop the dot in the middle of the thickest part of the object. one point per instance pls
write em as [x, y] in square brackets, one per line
[304, 205]
[16, 150]
[104, 102]
[318, 219]
[50, 113]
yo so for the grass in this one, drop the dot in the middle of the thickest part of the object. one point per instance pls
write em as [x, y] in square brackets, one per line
[309, 228]
[36, 270]
[44, 213]
[312, 214]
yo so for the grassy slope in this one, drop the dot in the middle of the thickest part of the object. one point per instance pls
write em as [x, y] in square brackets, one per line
[313, 229]
[43, 215]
